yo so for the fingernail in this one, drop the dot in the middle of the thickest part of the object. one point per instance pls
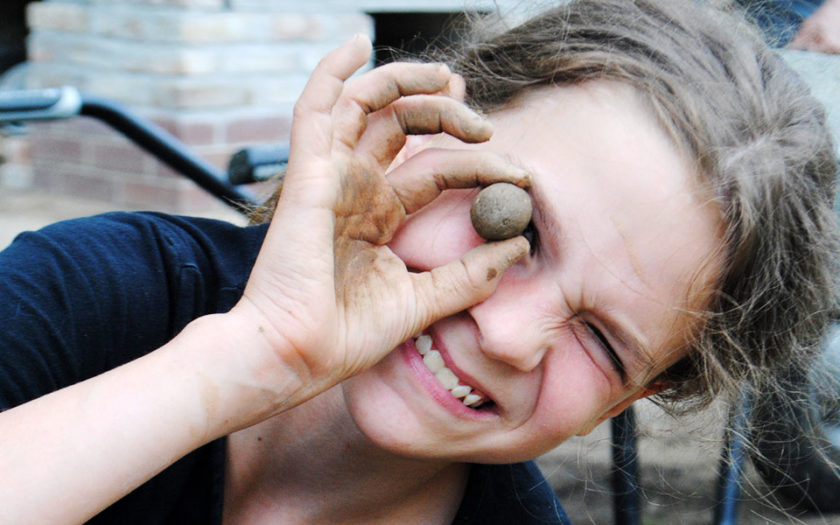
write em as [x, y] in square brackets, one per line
[485, 126]
[359, 38]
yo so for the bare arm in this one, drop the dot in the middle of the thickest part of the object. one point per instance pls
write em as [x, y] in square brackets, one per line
[70, 454]
[326, 299]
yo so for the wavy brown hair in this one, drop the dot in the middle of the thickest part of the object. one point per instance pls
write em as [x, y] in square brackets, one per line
[762, 151]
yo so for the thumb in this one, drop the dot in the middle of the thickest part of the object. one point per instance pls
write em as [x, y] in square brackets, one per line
[467, 281]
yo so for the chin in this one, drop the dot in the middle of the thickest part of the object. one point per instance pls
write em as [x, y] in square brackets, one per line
[383, 417]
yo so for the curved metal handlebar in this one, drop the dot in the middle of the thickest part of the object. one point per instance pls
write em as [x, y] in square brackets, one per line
[66, 102]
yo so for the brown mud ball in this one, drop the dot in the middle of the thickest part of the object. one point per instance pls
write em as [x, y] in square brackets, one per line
[501, 211]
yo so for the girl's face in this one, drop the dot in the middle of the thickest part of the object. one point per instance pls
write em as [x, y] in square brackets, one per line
[623, 250]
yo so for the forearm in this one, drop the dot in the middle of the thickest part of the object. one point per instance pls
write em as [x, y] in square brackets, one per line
[68, 455]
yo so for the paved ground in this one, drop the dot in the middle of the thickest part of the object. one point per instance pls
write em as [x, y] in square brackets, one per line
[678, 463]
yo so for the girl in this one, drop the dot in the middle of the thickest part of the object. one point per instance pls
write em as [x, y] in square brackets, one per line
[367, 357]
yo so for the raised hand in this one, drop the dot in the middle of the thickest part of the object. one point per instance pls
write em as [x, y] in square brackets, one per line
[329, 296]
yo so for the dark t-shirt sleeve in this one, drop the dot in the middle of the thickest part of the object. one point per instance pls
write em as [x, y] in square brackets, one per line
[81, 297]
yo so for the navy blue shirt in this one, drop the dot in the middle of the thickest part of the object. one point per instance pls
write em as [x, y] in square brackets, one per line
[81, 297]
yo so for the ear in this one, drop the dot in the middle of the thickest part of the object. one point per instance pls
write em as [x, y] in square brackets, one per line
[648, 391]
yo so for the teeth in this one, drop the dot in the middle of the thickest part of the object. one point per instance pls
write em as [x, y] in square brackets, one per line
[461, 391]
[434, 362]
[423, 344]
[472, 399]
[447, 378]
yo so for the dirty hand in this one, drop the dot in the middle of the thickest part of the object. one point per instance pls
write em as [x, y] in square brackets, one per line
[327, 294]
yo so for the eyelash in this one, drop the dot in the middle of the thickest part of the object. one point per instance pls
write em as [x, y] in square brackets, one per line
[605, 344]
[533, 237]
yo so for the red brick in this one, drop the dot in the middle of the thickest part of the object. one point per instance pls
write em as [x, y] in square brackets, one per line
[15, 150]
[121, 157]
[57, 16]
[196, 133]
[256, 130]
[190, 133]
[46, 179]
[80, 182]
[57, 148]
[162, 197]
[161, 171]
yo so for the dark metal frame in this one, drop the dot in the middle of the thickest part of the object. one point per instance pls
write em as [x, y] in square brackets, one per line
[626, 485]
[67, 102]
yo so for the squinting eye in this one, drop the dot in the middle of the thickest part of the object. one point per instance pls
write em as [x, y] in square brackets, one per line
[533, 236]
[605, 344]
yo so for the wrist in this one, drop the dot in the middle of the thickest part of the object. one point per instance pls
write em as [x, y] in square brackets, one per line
[244, 372]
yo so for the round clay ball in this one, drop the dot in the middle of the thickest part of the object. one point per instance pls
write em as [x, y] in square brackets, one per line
[501, 211]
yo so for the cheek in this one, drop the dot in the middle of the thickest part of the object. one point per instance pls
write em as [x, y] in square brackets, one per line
[439, 233]
[574, 393]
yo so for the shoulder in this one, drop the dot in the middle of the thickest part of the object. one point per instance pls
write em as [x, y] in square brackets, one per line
[86, 295]
[141, 244]
[113, 231]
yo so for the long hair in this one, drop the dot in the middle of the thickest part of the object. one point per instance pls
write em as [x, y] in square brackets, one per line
[761, 150]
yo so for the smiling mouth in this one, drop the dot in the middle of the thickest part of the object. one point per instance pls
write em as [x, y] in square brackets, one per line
[447, 378]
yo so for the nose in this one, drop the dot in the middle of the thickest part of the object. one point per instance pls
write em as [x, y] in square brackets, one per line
[510, 328]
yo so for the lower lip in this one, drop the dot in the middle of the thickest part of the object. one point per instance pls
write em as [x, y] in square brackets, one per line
[430, 383]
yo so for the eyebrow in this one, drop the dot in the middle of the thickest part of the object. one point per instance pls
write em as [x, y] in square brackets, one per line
[639, 353]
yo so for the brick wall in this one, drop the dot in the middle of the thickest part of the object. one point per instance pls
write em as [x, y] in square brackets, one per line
[218, 74]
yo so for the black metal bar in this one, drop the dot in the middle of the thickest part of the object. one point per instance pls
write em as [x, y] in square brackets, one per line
[167, 148]
[625, 469]
[731, 466]
[18, 106]
[257, 163]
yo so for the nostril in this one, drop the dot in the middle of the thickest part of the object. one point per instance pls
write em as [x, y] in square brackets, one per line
[529, 359]
[519, 356]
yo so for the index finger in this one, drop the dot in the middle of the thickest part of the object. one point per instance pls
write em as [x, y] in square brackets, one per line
[380, 87]
[421, 178]
[312, 132]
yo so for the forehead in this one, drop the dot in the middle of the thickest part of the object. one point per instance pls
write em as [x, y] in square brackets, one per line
[621, 206]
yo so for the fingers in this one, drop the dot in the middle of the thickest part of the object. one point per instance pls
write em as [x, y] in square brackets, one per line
[325, 86]
[382, 86]
[463, 283]
[420, 115]
[457, 88]
[421, 178]
[312, 128]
